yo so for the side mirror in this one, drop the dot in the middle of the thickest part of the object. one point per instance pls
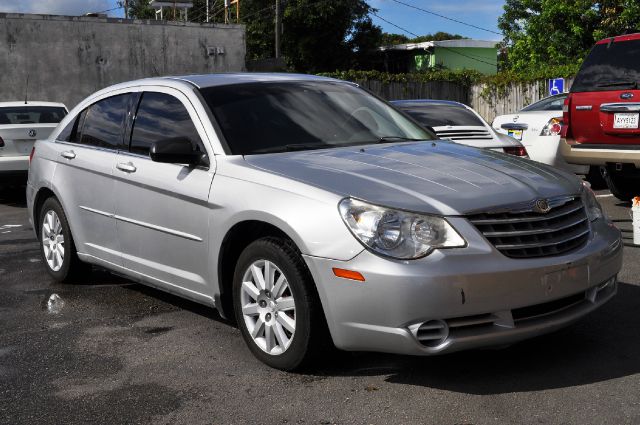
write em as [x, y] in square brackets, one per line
[176, 150]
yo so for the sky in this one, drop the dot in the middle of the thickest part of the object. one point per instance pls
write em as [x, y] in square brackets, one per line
[481, 13]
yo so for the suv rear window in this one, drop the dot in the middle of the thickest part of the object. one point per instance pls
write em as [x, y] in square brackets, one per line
[610, 66]
[438, 115]
[32, 115]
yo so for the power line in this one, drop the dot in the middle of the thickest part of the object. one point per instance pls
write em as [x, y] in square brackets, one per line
[446, 17]
[441, 47]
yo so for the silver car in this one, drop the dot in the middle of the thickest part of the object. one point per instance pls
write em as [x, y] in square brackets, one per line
[317, 215]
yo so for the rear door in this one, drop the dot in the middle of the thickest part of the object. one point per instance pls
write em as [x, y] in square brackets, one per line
[162, 210]
[605, 100]
[87, 152]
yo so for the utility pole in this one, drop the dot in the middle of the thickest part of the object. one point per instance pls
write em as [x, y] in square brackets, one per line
[126, 9]
[207, 10]
[277, 29]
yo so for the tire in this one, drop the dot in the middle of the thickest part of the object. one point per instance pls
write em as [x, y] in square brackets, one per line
[594, 177]
[63, 265]
[270, 314]
[622, 187]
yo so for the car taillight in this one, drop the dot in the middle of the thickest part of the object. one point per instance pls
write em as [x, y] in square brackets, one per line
[33, 151]
[553, 127]
[516, 150]
[566, 108]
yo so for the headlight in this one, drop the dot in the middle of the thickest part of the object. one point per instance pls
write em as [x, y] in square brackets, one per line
[397, 234]
[594, 210]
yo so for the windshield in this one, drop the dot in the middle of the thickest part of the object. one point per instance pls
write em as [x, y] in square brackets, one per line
[31, 114]
[610, 66]
[553, 103]
[280, 116]
[440, 114]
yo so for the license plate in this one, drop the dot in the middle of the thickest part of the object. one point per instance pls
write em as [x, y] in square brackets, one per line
[516, 134]
[622, 120]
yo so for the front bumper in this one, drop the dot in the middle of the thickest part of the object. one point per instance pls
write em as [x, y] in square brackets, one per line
[599, 154]
[476, 294]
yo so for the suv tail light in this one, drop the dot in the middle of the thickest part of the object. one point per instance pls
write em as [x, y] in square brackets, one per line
[553, 127]
[566, 109]
[33, 151]
[516, 151]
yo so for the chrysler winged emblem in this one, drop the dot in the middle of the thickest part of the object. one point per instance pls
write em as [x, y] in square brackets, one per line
[541, 206]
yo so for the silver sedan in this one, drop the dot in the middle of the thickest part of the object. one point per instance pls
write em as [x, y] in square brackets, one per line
[317, 215]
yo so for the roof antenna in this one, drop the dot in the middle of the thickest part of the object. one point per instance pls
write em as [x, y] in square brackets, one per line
[26, 90]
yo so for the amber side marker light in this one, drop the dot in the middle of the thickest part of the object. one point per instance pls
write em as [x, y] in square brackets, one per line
[348, 274]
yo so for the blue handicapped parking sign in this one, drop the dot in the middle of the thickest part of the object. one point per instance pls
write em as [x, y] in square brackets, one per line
[556, 86]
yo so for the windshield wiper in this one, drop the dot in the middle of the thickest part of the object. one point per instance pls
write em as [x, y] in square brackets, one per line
[630, 84]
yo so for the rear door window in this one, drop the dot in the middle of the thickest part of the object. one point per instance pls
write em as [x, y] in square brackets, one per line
[104, 122]
[162, 116]
[610, 66]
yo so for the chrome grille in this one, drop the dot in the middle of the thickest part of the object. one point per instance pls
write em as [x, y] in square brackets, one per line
[464, 134]
[527, 234]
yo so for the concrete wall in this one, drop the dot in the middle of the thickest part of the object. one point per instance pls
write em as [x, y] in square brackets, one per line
[67, 58]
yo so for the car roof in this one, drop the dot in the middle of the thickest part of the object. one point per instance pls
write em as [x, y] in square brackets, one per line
[223, 79]
[30, 103]
[418, 102]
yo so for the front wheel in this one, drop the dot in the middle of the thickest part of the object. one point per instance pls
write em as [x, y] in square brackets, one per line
[276, 305]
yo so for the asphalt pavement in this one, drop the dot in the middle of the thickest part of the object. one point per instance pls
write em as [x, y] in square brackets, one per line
[116, 352]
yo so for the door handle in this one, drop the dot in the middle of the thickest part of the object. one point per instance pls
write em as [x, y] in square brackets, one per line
[127, 167]
[68, 154]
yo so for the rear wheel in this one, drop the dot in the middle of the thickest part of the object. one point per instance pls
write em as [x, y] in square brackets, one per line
[622, 186]
[276, 305]
[57, 246]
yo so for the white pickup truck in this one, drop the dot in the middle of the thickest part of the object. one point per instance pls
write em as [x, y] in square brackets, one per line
[21, 124]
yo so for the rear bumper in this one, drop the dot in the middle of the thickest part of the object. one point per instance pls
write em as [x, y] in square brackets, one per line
[599, 154]
[10, 164]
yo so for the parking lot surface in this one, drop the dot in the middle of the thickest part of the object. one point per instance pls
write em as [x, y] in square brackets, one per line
[113, 351]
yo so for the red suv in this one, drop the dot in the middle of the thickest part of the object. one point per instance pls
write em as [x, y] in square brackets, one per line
[601, 124]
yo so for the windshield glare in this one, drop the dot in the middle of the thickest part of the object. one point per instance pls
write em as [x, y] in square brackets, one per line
[276, 117]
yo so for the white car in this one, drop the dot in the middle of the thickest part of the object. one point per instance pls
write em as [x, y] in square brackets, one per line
[538, 127]
[21, 124]
[459, 123]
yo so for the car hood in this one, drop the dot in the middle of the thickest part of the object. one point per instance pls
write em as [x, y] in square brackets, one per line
[431, 177]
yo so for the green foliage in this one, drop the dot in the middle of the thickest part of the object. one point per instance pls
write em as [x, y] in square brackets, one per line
[139, 9]
[321, 35]
[464, 77]
[390, 38]
[542, 33]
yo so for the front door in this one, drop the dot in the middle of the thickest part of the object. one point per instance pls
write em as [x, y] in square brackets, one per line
[162, 211]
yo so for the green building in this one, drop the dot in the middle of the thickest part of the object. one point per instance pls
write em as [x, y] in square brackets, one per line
[479, 55]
